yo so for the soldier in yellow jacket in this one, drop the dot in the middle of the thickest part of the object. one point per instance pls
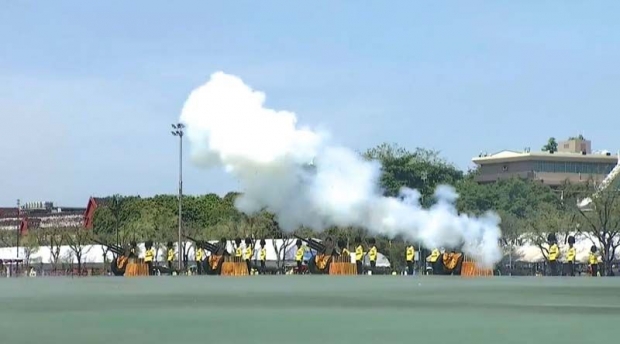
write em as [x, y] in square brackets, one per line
[409, 257]
[593, 261]
[262, 257]
[570, 256]
[372, 254]
[170, 255]
[554, 254]
[149, 255]
[238, 249]
[199, 257]
[359, 255]
[433, 259]
[248, 252]
[299, 255]
[344, 251]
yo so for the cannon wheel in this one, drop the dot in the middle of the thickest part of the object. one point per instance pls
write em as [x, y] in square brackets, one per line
[216, 271]
[457, 269]
[115, 269]
[313, 269]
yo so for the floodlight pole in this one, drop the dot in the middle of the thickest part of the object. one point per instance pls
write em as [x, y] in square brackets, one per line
[19, 227]
[178, 131]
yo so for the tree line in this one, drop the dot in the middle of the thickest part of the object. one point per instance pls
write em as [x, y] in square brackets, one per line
[529, 211]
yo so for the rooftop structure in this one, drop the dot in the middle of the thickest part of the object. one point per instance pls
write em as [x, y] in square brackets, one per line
[573, 161]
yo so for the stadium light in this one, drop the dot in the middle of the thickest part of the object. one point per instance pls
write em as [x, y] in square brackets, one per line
[178, 131]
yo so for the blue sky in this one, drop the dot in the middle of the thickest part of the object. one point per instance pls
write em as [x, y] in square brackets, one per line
[88, 90]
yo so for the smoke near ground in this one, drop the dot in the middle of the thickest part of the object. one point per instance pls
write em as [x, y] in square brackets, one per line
[297, 174]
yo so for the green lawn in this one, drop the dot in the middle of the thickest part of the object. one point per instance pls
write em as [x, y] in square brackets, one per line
[308, 309]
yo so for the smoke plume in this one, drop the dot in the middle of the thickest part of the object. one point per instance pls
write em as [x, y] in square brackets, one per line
[297, 174]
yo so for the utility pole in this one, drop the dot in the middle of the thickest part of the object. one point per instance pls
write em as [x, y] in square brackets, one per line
[178, 131]
[19, 227]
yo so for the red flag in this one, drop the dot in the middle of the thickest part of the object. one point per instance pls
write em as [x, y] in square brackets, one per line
[23, 227]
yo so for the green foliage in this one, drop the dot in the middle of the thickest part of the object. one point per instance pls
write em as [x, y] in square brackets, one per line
[551, 146]
[422, 170]
[528, 209]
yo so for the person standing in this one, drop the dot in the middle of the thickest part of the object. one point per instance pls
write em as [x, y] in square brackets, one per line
[410, 256]
[359, 255]
[344, 251]
[372, 254]
[170, 255]
[570, 256]
[433, 258]
[199, 257]
[248, 253]
[149, 255]
[262, 256]
[299, 255]
[593, 261]
[554, 253]
[238, 250]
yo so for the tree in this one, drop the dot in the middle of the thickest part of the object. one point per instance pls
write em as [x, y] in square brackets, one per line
[422, 170]
[116, 219]
[517, 201]
[77, 239]
[30, 243]
[8, 238]
[545, 220]
[551, 146]
[601, 222]
[54, 238]
[158, 223]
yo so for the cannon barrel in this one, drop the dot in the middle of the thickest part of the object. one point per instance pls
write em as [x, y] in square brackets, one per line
[210, 247]
[317, 246]
[113, 248]
[190, 238]
[213, 248]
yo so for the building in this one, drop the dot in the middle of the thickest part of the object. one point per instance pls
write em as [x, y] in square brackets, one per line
[42, 215]
[573, 161]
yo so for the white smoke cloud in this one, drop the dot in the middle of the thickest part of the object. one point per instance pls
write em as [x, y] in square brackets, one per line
[297, 174]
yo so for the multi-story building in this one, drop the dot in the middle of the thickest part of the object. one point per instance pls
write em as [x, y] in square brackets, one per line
[40, 215]
[573, 161]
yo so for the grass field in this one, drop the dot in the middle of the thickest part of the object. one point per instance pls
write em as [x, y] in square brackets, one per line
[308, 309]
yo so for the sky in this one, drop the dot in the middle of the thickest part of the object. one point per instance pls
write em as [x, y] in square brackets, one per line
[88, 90]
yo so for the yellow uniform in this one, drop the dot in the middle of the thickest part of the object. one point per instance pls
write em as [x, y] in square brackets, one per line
[299, 255]
[262, 254]
[592, 259]
[434, 256]
[170, 255]
[238, 252]
[149, 255]
[372, 254]
[554, 253]
[199, 255]
[410, 253]
[570, 255]
[410, 256]
[247, 255]
[359, 253]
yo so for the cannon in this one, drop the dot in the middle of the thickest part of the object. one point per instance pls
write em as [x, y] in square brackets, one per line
[451, 263]
[216, 258]
[326, 253]
[118, 264]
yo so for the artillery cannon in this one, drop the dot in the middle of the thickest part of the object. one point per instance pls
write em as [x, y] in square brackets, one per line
[326, 254]
[218, 254]
[118, 264]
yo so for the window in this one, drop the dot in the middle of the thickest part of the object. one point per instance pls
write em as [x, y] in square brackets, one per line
[573, 167]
